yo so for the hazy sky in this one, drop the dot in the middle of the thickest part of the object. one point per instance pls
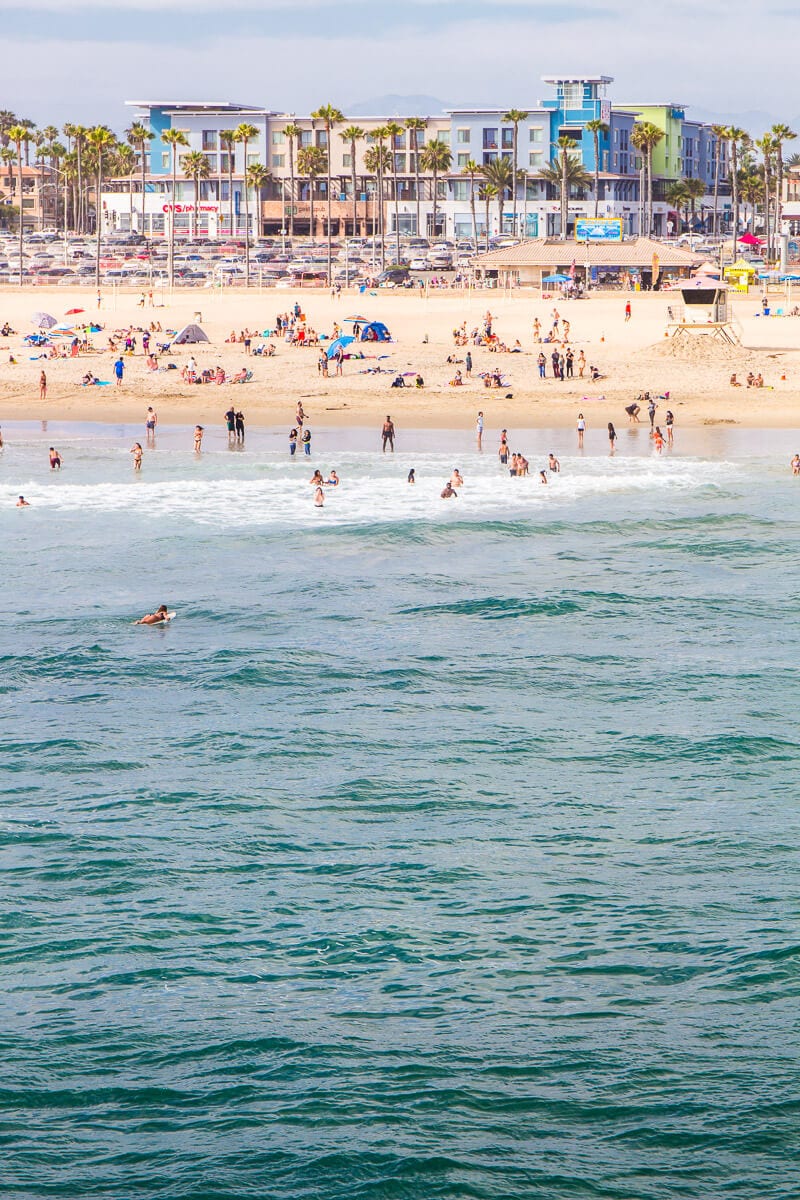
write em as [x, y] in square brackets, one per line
[81, 59]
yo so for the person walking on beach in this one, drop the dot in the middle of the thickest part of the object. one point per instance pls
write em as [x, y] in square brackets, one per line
[136, 451]
[299, 416]
[581, 364]
[387, 433]
[468, 366]
[669, 421]
[119, 370]
[479, 430]
[230, 424]
[581, 429]
[628, 311]
[42, 386]
[612, 437]
[150, 422]
[651, 412]
[542, 364]
[240, 426]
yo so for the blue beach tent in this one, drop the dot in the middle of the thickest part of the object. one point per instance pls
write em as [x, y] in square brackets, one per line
[376, 331]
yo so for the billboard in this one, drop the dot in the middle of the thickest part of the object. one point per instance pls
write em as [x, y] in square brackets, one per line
[598, 229]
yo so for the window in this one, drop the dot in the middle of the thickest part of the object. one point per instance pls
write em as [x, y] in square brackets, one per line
[573, 95]
[210, 138]
[399, 141]
[400, 163]
[252, 159]
[490, 139]
[278, 160]
[536, 134]
[507, 139]
[322, 138]
[535, 158]
[462, 136]
[278, 137]
[305, 137]
[347, 160]
[225, 162]
[165, 161]
[212, 162]
[461, 189]
[463, 159]
[489, 157]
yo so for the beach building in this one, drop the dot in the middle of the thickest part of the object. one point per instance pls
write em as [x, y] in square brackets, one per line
[540, 261]
[39, 194]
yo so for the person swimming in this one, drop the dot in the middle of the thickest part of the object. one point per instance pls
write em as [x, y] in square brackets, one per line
[316, 478]
[412, 478]
[333, 480]
[448, 490]
[319, 497]
[159, 617]
[456, 479]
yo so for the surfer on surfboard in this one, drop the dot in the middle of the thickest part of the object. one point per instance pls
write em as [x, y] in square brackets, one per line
[159, 617]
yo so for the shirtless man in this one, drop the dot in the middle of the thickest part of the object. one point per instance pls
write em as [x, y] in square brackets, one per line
[456, 479]
[448, 491]
[387, 433]
[23, 503]
[553, 463]
[150, 422]
[55, 459]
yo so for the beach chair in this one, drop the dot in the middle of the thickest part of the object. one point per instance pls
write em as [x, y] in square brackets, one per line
[163, 347]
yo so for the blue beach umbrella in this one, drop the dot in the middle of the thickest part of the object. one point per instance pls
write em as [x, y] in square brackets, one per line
[556, 279]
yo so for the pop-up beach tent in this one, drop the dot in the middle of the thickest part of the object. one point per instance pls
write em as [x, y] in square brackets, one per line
[188, 335]
[376, 331]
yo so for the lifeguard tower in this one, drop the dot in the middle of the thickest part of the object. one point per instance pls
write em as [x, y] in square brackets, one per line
[703, 310]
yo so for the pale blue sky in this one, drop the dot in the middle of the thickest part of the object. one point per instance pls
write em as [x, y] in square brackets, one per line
[81, 60]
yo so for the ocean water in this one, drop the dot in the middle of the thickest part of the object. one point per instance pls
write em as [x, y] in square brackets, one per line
[436, 849]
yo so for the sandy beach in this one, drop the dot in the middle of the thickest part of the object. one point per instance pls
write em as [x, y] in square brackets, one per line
[633, 357]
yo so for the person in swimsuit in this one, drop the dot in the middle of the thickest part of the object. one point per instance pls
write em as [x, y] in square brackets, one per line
[136, 451]
[240, 426]
[150, 422]
[633, 411]
[316, 478]
[332, 480]
[479, 430]
[413, 479]
[658, 439]
[553, 463]
[669, 421]
[319, 497]
[55, 459]
[612, 437]
[387, 433]
[23, 503]
[42, 386]
[156, 618]
[198, 438]
[543, 477]
[448, 491]
[796, 465]
[456, 479]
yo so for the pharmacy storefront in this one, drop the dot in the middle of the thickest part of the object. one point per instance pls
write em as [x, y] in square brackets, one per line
[208, 219]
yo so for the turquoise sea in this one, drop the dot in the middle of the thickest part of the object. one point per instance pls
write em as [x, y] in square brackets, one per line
[436, 849]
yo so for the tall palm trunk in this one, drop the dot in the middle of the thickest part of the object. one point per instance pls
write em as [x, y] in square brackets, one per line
[355, 186]
[291, 189]
[515, 152]
[21, 210]
[144, 184]
[473, 212]
[435, 199]
[716, 187]
[396, 210]
[596, 135]
[564, 196]
[735, 190]
[416, 178]
[79, 213]
[231, 152]
[98, 213]
[487, 197]
[380, 205]
[172, 217]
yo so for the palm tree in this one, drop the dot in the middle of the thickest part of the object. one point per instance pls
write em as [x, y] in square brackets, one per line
[227, 141]
[330, 116]
[102, 141]
[767, 146]
[415, 126]
[19, 135]
[781, 133]
[738, 139]
[79, 136]
[7, 119]
[471, 169]
[695, 190]
[394, 130]
[597, 127]
[513, 117]
[312, 161]
[719, 134]
[244, 133]
[436, 158]
[500, 174]
[678, 196]
[256, 176]
[56, 152]
[376, 161]
[351, 135]
[195, 166]
[173, 138]
[126, 163]
[645, 136]
[380, 135]
[139, 136]
[564, 173]
[292, 133]
[488, 192]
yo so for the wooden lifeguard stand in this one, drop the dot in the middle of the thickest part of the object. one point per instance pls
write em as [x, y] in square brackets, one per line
[703, 310]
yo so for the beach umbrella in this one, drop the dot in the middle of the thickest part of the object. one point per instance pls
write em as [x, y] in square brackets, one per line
[71, 312]
[556, 279]
[356, 318]
[43, 320]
